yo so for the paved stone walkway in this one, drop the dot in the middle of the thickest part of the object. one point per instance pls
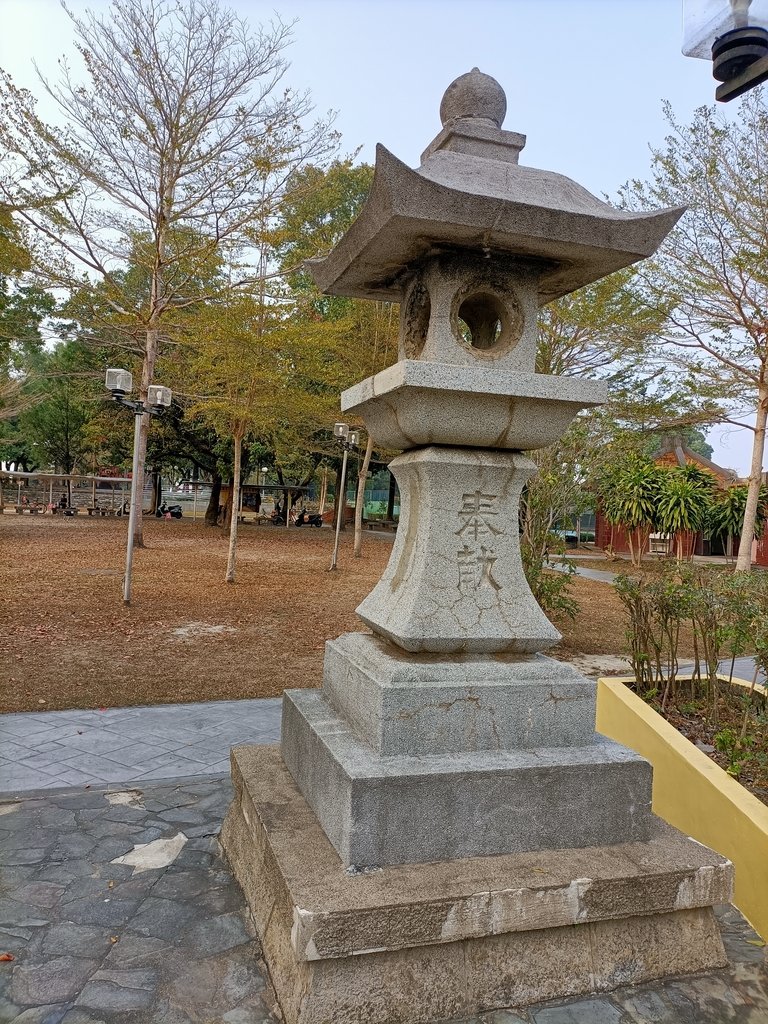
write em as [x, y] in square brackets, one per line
[50, 749]
[602, 575]
[122, 746]
[95, 941]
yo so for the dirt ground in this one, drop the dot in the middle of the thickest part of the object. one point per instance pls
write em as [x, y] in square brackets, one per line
[746, 760]
[66, 640]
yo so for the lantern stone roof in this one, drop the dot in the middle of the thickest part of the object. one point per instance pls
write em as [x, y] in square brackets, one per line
[471, 194]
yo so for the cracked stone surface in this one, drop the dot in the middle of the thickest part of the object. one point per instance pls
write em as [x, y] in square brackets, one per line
[455, 581]
[95, 941]
[175, 945]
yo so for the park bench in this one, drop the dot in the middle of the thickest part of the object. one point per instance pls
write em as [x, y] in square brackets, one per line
[381, 524]
[96, 510]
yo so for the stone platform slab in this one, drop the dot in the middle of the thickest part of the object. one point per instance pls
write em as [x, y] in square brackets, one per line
[415, 402]
[422, 942]
[186, 952]
[400, 809]
[440, 704]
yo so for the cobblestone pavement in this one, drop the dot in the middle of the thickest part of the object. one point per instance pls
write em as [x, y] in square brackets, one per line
[49, 749]
[169, 941]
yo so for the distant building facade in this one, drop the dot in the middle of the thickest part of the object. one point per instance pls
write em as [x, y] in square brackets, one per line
[671, 455]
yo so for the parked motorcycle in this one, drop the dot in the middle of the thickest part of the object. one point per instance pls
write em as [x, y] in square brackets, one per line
[168, 511]
[125, 510]
[305, 518]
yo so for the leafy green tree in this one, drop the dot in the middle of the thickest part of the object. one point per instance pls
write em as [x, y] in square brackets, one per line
[696, 441]
[23, 308]
[58, 427]
[236, 363]
[558, 492]
[597, 331]
[710, 275]
[182, 125]
[320, 205]
[352, 339]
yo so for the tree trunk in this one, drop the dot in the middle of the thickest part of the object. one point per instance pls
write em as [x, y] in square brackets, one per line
[360, 498]
[234, 503]
[744, 559]
[339, 497]
[147, 376]
[157, 491]
[323, 490]
[212, 512]
[228, 508]
[391, 496]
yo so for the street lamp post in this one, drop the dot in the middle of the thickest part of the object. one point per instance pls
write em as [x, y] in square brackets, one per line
[120, 383]
[348, 440]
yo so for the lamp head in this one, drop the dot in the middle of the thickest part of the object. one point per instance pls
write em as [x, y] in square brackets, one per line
[119, 382]
[158, 396]
[733, 34]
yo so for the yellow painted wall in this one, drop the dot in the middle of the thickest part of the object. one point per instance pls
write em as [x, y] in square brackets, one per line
[694, 794]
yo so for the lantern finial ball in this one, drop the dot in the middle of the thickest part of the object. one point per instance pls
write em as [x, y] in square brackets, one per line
[474, 95]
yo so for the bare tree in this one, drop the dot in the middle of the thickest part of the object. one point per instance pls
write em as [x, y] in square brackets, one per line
[179, 139]
[711, 275]
[596, 331]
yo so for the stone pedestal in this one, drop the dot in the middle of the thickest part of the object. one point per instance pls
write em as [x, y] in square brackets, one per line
[414, 943]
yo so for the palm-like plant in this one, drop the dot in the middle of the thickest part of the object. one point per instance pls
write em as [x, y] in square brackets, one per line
[684, 502]
[630, 492]
[727, 513]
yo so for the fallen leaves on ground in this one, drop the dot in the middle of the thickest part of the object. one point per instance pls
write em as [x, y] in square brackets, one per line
[67, 640]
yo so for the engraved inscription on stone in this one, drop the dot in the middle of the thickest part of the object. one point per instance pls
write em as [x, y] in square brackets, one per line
[478, 531]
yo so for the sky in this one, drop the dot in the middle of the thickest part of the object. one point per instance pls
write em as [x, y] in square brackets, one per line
[585, 79]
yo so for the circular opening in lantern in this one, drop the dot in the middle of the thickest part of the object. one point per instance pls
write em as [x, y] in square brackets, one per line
[482, 319]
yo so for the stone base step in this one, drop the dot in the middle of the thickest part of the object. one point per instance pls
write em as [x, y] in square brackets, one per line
[404, 809]
[422, 942]
[440, 704]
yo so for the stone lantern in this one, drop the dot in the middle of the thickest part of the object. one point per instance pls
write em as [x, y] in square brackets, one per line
[443, 805]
